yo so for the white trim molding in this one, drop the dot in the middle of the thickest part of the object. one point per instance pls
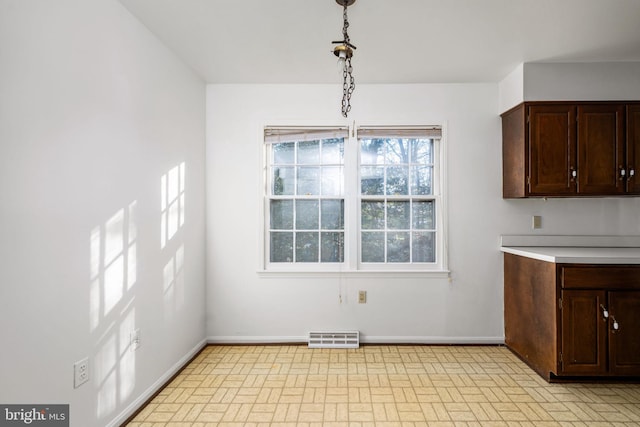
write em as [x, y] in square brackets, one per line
[156, 386]
[364, 339]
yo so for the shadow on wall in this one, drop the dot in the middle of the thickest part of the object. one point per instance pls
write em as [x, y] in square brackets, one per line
[113, 267]
[172, 199]
[112, 310]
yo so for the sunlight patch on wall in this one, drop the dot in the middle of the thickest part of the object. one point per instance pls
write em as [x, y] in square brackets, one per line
[172, 203]
[106, 360]
[112, 262]
[174, 283]
[127, 355]
[113, 271]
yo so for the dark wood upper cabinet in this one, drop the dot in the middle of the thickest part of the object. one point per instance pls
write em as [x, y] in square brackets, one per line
[571, 149]
[633, 148]
[601, 149]
[552, 149]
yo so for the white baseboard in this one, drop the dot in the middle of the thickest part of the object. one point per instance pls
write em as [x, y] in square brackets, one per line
[135, 405]
[365, 339]
[262, 339]
[378, 339]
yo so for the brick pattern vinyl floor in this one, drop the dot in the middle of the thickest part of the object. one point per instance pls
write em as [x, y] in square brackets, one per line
[439, 386]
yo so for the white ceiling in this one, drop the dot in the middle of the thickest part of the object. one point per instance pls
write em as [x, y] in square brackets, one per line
[398, 41]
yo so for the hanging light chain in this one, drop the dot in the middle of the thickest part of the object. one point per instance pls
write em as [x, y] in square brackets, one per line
[347, 87]
[345, 21]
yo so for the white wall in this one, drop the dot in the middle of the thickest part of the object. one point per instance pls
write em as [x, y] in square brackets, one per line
[243, 306]
[93, 112]
[511, 89]
[599, 81]
[591, 81]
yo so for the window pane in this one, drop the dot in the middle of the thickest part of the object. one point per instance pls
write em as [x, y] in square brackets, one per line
[398, 215]
[372, 247]
[372, 151]
[283, 180]
[309, 152]
[332, 214]
[424, 247]
[333, 151]
[307, 214]
[308, 181]
[283, 153]
[423, 215]
[332, 245]
[372, 215]
[422, 151]
[332, 181]
[397, 151]
[421, 180]
[372, 180]
[281, 247]
[397, 180]
[398, 247]
[282, 214]
[306, 247]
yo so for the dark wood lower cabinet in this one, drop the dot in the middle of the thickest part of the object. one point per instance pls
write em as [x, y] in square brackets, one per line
[624, 341]
[584, 340]
[573, 320]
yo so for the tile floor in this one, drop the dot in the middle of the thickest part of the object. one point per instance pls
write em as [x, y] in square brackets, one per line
[380, 386]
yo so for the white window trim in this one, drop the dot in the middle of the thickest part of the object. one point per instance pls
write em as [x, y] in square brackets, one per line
[352, 265]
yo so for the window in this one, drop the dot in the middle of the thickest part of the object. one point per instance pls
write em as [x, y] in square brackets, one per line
[306, 201]
[397, 203]
[337, 202]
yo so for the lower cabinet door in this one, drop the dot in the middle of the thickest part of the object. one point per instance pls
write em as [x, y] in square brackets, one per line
[583, 332]
[624, 332]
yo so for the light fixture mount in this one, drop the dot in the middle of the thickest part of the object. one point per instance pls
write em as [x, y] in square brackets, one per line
[344, 52]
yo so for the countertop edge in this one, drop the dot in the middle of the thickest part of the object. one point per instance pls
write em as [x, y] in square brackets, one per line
[578, 255]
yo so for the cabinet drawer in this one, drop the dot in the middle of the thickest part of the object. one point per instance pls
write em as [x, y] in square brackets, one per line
[600, 277]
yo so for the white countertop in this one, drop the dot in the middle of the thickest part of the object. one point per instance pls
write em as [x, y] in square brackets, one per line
[577, 255]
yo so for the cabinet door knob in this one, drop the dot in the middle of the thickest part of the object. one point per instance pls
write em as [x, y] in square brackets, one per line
[605, 312]
[574, 173]
[632, 172]
[615, 324]
[623, 173]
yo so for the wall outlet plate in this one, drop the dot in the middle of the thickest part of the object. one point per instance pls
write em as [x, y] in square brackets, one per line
[362, 297]
[135, 339]
[80, 372]
[536, 222]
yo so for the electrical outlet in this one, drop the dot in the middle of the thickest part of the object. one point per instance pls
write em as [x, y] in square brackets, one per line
[536, 222]
[135, 339]
[362, 297]
[80, 372]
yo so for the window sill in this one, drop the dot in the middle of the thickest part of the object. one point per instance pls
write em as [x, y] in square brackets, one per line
[428, 274]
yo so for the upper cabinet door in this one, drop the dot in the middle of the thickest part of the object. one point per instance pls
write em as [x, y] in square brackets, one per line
[633, 149]
[552, 159]
[601, 162]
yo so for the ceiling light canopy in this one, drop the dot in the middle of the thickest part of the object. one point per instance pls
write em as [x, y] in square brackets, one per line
[344, 52]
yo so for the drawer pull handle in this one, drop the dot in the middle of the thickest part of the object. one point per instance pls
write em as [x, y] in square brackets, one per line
[605, 312]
